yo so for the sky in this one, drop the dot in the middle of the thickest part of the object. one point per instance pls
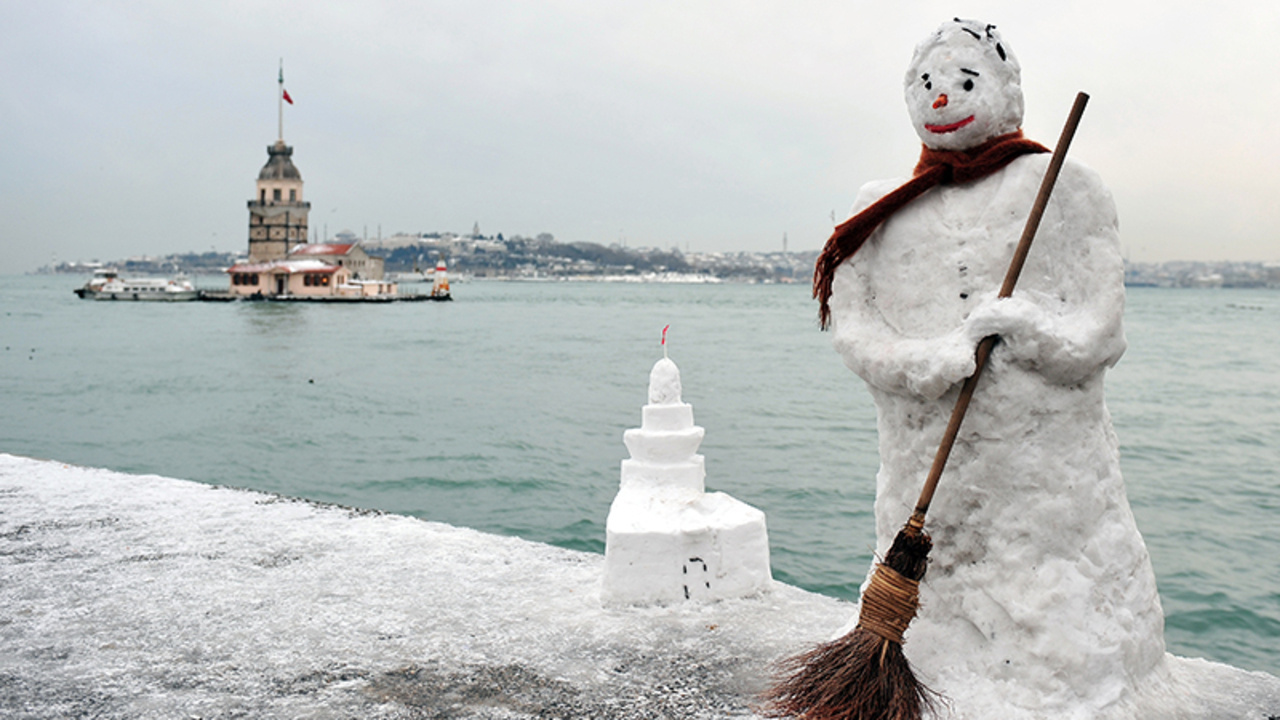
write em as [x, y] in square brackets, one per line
[135, 128]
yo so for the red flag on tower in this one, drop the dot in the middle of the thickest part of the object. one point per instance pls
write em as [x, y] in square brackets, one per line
[286, 96]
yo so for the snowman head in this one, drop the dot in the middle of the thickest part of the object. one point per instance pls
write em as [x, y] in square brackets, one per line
[963, 87]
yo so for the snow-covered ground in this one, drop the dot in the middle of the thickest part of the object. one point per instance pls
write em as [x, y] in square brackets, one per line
[146, 597]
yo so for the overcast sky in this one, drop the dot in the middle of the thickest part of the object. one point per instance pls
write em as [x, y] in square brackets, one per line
[139, 127]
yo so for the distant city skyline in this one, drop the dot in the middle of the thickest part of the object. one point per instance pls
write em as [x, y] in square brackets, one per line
[139, 128]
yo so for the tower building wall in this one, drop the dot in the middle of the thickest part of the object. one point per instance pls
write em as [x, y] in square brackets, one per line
[277, 214]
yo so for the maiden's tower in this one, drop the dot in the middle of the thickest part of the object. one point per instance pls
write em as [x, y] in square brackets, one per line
[282, 264]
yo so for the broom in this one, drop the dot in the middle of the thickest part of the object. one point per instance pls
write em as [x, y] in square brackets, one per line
[865, 675]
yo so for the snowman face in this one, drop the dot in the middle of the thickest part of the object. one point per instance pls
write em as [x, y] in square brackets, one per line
[961, 93]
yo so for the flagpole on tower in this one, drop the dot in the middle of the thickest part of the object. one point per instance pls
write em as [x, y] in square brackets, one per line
[280, 103]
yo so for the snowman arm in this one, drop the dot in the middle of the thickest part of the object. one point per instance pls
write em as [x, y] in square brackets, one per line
[871, 346]
[881, 355]
[1065, 324]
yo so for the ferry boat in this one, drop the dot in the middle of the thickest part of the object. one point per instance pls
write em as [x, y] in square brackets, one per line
[106, 284]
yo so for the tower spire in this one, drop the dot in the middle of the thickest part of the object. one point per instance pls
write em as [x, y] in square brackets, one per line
[280, 103]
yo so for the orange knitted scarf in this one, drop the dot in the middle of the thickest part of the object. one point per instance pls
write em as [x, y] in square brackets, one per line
[936, 167]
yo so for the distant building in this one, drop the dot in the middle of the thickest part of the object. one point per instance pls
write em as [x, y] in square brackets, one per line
[362, 265]
[281, 263]
[278, 216]
[303, 279]
[286, 277]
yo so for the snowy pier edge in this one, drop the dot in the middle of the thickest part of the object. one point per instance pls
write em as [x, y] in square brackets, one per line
[125, 596]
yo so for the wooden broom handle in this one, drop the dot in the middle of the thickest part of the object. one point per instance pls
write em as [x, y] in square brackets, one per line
[1010, 280]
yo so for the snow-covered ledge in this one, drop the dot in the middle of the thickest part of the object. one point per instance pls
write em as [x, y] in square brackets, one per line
[667, 539]
[143, 597]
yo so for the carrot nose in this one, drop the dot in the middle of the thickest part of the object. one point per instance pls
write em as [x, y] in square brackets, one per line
[941, 102]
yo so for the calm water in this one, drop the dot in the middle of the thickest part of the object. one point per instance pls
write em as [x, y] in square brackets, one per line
[504, 411]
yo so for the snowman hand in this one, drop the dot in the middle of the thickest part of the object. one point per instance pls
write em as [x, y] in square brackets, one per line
[947, 362]
[1024, 327]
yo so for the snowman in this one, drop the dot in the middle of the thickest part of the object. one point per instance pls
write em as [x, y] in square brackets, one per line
[1039, 600]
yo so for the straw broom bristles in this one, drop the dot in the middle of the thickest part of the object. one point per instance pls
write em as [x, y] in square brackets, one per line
[864, 675]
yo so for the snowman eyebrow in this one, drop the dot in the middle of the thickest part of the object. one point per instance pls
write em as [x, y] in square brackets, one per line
[967, 71]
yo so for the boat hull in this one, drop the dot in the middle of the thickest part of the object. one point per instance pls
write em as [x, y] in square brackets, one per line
[139, 295]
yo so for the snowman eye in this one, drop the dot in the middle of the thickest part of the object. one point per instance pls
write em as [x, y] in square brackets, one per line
[968, 84]
[927, 85]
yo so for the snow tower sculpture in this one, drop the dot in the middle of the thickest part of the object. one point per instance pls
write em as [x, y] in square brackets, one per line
[667, 539]
[1040, 600]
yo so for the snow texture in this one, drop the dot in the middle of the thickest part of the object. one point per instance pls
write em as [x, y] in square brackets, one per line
[667, 540]
[144, 597]
[128, 596]
[963, 86]
[1040, 600]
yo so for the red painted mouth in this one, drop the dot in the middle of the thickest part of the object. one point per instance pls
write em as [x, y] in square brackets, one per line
[949, 128]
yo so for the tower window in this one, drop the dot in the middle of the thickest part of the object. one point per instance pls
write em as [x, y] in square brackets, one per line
[293, 196]
[275, 194]
[262, 195]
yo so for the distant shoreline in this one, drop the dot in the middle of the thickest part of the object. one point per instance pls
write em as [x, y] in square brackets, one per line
[1170, 282]
[546, 260]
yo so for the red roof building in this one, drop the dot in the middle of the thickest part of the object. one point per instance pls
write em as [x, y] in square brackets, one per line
[362, 265]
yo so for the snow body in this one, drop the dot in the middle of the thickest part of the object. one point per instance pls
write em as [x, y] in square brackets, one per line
[667, 539]
[1040, 599]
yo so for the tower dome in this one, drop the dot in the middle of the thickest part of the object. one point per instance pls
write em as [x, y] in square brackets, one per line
[279, 163]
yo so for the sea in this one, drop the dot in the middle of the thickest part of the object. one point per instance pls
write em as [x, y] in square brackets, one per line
[504, 411]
